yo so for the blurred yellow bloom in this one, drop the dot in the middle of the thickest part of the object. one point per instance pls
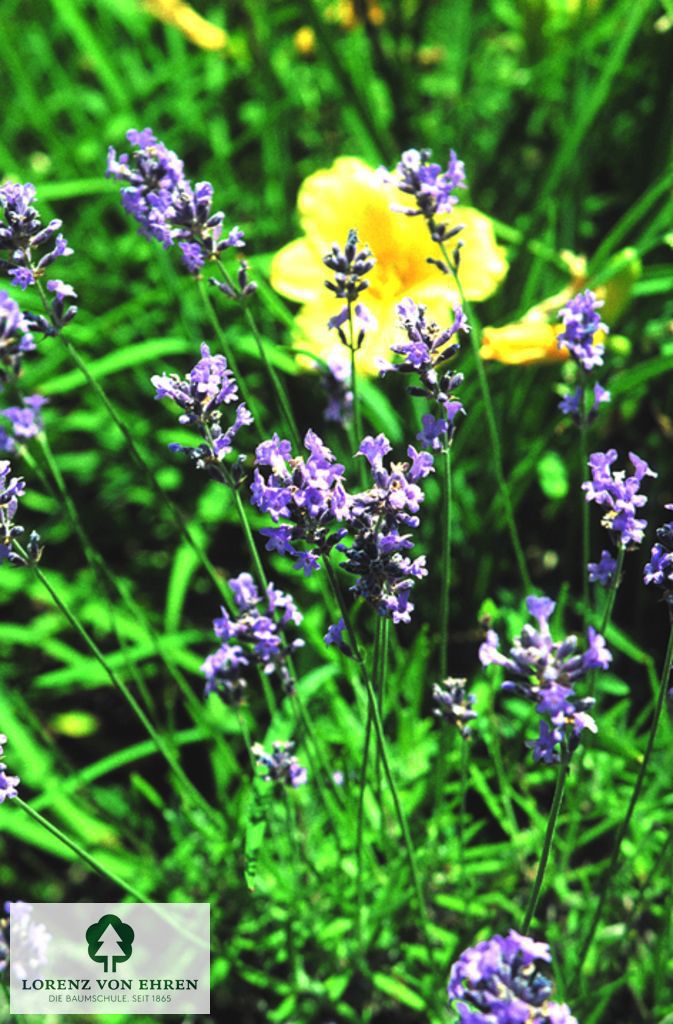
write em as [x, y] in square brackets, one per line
[352, 195]
[346, 13]
[197, 29]
[304, 41]
[533, 338]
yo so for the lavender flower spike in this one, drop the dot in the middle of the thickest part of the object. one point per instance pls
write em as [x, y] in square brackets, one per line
[431, 187]
[210, 385]
[428, 346]
[281, 765]
[500, 981]
[659, 569]
[545, 672]
[453, 704]
[8, 783]
[619, 494]
[166, 205]
[252, 639]
[581, 322]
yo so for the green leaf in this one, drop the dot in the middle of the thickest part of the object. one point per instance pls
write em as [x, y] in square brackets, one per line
[552, 476]
[115, 362]
[398, 990]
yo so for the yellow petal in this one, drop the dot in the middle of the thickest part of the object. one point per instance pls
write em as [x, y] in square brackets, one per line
[298, 272]
[483, 264]
[526, 342]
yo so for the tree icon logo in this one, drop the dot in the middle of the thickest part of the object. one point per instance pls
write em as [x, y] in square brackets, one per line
[110, 942]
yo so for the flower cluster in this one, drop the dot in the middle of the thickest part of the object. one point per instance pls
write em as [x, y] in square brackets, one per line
[166, 205]
[425, 350]
[546, 672]
[25, 422]
[377, 521]
[308, 492]
[453, 704]
[253, 638]
[29, 940]
[581, 322]
[500, 981]
[620, 494]
[210, 384]
[16, 335]
[603, 571]
[8, 783]
[11, 489]
[659, 569]
[350, 268]
[22, 235]
[281, 765]
[431, 187]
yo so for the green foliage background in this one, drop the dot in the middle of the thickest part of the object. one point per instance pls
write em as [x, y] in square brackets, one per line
[563, 113]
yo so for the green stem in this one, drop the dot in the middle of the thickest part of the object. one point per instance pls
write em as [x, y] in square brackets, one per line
[445, 602]
[378, 728]
[166, 752]
[150, 474]
[586, 546]
[612, 868]
[81, 852]
[278, 389]
[230, 357]
[357, 412]
[496, 448]
[612, 592]
[548, 839]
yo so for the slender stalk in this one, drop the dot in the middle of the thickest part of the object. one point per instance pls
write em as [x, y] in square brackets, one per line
[168, 755]
[278, 389]
[378, 728]
[614, 587]
[230, 357]
[612, 868]
[445, 602]
[81, 852]
[177, 515]
[548, 839]
[357, 412]
[586, 546]
[496, 448]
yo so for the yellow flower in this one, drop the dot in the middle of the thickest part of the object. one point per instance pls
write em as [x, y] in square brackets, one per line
[533, 339]
[197, 29]
[352, 195]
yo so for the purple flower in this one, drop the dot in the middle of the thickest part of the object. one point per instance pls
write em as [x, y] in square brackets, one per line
[11, 489]
[431, 187]
[453, 704]
[23, 238]
[8, 783]
[334, 637]
[167, 206]
[572, 403]
[15, 333]
[659, 569]
[426, 349]
[252, 639]
[378, 517]
[309, 492]
[350, 268]
[545, 672]
[620, 494]
[281, 765]
[581, 321]
[29, 940]
[500, 981]
[25, 421]
[210, 385]
[602, 572]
